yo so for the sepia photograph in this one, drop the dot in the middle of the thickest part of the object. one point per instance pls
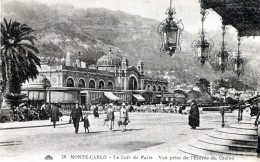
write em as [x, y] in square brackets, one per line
[130, 80]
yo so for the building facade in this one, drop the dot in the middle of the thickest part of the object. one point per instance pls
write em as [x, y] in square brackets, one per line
[111, 80]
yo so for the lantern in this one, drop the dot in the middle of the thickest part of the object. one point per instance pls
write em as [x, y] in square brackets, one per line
[239, 62]
[202, 45]
[170, 30]
[222, 57]
[202, 49]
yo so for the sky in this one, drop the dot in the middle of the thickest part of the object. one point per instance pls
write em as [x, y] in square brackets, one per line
[186, 10]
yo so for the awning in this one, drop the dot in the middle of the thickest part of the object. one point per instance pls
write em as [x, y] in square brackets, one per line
[84, 91]
[158, 95]
[111, 96]
[36, 95]
[138, 97]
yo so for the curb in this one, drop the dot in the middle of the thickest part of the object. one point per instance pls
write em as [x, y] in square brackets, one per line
[36, 126]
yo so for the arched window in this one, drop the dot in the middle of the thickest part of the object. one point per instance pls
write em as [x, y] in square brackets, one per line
[110, 85]
[70, 82]
[101, 85]
[92, 84]
[164, 88]
[132, 85]
[81, 83]
[154, 88]
[148, 87]
[159, 88]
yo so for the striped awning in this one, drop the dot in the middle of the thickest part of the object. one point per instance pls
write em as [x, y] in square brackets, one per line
[111, 96]
[138, 97]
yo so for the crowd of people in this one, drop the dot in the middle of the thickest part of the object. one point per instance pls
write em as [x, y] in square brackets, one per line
[157, 108]
[29, 113]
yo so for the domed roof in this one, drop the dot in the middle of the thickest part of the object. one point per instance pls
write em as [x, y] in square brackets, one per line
[109, 59]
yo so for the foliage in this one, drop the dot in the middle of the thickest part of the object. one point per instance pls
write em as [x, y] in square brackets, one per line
[231, 101]
[231, 82]
[16, 99]
[192, 95]
[18, 50]
[180, 93]
[204, 85]
[18, 56]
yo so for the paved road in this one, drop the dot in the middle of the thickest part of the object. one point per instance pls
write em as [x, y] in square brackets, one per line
[147, 134]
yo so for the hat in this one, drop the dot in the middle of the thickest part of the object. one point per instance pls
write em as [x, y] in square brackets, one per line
[110, 104]
[193, 101]
[123, 104]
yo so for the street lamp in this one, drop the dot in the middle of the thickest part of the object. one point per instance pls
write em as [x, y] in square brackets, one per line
[170, 30]
[222, 56]
[239, 62]
[202, 45]
[45, 84]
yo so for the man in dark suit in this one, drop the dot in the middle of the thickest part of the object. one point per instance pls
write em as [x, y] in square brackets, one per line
[54, 114]
[76, 114]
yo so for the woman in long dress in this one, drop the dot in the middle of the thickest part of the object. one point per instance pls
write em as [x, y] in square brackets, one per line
[124, 118]
[194, 115]
[95, 112]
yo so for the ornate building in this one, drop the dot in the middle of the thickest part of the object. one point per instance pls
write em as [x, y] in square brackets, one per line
[111, 80]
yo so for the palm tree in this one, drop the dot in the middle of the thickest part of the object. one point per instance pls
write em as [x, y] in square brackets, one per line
[18, 61]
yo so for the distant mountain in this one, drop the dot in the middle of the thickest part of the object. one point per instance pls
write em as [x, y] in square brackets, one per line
[62, 29]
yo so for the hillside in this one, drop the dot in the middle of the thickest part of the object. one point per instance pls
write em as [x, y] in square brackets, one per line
[62, 29]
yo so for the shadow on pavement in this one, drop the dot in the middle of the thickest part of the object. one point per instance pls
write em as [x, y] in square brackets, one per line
[127, 130]
[204, 129]
[96, 132]
[10, 143]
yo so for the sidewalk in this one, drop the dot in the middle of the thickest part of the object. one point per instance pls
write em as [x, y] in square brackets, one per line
[32, 124]
[39, 123]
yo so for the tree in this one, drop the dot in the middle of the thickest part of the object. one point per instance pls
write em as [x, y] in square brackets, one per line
[18, 57]
[204, 86]
[16, 99]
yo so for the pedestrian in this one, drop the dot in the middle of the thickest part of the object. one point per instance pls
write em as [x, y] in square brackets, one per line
[124, 118]
[131, 109]
[60, 114]
[183, 107]
[75, 115]
[95, 112]
[86, 123]
[54, 115]
[110, 116]
[194, 116]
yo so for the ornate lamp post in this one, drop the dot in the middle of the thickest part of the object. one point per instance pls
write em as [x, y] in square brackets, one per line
[45, 85]
[202, 46]
[239, 62]
[223, 56]
[170, 30]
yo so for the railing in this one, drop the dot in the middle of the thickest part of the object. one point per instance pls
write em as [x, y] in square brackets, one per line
[258, 133]
[240, 107]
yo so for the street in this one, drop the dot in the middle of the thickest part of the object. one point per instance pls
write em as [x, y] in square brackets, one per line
[147, 134]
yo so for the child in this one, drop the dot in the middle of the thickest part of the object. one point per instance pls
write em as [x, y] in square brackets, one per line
[86, 123]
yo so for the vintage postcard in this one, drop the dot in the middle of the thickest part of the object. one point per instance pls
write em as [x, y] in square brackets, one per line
[130, 80]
